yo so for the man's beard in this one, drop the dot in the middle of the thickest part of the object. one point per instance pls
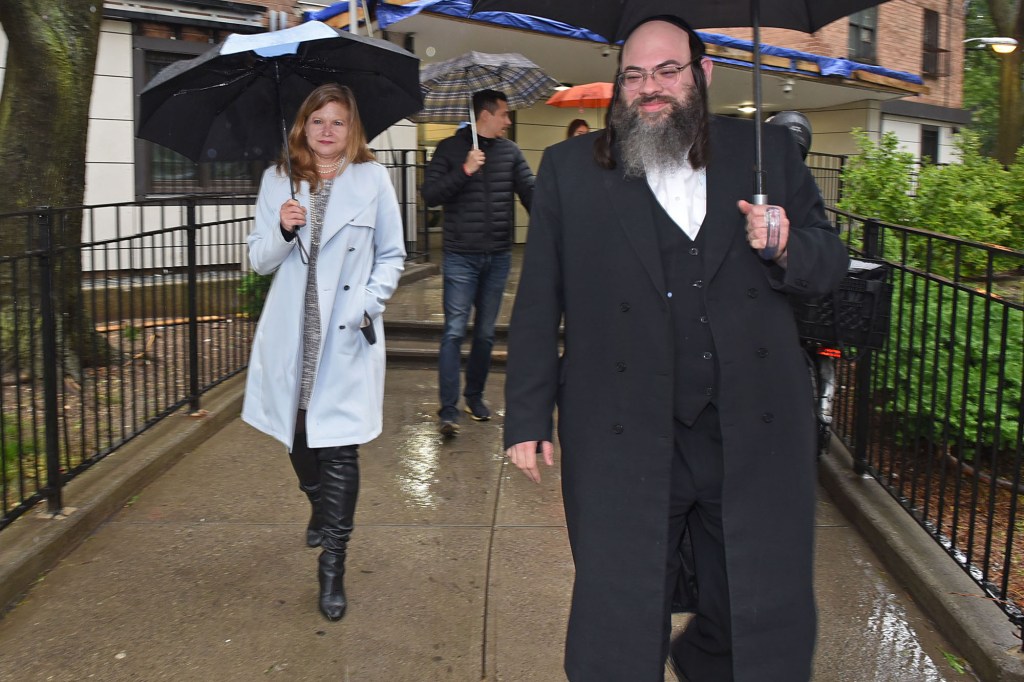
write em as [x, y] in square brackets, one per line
[663, 144]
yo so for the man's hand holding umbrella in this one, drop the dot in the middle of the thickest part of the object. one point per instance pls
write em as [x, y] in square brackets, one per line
[475, 160]
[767, 230]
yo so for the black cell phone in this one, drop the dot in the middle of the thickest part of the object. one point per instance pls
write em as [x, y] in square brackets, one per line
[368, 331]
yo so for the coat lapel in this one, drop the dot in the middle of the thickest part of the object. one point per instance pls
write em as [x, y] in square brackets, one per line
[723, 222]
[350, 196]
[631, 199]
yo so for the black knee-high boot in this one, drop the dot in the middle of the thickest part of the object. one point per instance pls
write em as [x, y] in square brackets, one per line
[307, 470]
[339, 488]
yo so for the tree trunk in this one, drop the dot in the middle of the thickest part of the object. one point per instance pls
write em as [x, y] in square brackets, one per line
[1009, 132]
[1008, 18]
[44, 121]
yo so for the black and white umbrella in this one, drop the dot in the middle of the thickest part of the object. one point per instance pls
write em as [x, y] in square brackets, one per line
[235, 101]
[448, 86]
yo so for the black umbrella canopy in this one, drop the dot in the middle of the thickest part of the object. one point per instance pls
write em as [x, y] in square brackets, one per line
[614, 18]
[229, 105]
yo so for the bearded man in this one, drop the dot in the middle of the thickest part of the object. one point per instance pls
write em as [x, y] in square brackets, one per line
[682, 394]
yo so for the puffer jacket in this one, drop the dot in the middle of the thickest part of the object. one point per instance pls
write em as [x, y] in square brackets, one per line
[479, 215]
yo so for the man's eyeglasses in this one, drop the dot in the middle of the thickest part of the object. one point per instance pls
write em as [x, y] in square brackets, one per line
[665, 76]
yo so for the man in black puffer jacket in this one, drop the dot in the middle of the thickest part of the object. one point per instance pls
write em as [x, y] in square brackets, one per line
[477, 188]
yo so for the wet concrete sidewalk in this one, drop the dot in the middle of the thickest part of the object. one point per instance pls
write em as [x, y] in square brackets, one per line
[459, 570]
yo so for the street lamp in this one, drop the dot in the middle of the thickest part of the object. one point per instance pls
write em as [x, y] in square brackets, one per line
[999, 44]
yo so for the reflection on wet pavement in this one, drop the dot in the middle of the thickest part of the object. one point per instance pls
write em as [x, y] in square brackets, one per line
[419, 466]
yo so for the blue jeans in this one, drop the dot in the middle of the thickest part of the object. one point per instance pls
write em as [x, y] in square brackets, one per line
[471, 280]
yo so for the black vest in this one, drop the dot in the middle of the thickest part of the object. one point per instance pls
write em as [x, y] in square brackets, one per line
[696, 366]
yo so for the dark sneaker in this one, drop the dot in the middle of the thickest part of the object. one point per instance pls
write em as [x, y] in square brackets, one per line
[449, 424]
[476, 409]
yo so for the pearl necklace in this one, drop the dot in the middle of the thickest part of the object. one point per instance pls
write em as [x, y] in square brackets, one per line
[328, 168]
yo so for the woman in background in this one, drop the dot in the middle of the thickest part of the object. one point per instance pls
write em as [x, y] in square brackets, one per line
[577, 127]
[316, 375]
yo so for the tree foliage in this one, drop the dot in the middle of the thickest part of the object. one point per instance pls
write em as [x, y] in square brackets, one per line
[981, 79]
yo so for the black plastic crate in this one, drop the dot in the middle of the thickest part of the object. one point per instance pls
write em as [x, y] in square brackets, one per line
[855, 314]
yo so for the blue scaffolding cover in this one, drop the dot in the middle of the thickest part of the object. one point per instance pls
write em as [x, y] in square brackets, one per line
[388, 14]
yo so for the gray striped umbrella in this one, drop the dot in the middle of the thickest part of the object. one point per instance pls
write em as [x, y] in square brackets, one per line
[448, 86]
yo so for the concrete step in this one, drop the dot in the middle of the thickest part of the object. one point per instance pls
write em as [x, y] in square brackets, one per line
[405, 352]
[420, 329]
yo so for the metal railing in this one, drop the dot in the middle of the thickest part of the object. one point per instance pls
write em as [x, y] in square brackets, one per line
[935, 416]
[173, 174]
[827, 170]
[101, 339]
[113, 317]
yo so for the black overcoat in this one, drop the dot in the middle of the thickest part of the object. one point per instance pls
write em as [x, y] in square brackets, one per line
[592, 262]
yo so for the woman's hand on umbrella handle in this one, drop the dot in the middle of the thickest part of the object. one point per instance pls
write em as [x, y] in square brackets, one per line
[524, 456]
[293, 215]
[474, 161]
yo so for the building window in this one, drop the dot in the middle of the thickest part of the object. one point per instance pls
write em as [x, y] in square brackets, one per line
[929, 144]
[930, 61]
[161, 171]
[863, 27]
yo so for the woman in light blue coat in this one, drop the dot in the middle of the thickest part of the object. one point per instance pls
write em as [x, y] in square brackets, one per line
[316, 374]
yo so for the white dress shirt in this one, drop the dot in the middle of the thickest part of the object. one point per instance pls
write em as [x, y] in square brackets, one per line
[683, 193]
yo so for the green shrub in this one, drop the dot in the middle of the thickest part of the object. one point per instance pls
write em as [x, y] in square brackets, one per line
[876, 182]
[944, 378]
[965, 200]
[253, 293]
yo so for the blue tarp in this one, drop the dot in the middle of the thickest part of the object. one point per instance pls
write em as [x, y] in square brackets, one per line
[332, 11]
[829, 66]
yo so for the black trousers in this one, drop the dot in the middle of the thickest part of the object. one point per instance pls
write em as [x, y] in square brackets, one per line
[704, 650]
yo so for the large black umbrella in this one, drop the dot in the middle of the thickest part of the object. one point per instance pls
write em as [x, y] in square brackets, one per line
[234, 102]
[613, 19]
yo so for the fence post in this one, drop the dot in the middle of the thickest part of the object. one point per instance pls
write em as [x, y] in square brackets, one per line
[862, 417]
[193, 307]
[839, 188]
[54, 479]
[426, 210]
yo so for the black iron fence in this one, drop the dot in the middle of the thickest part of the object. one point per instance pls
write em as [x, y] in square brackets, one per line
[827, 170]
[111, 318]
[174, 175]
[935, 416]
[114, 316]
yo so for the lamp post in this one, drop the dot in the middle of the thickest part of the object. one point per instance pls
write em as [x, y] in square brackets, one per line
[1000, 45]
[1008, 136]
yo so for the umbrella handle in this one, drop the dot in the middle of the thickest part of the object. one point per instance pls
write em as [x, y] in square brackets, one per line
[472, 126]
[773, 222]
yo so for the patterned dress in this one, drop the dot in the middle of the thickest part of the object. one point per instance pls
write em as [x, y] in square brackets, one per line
[311, 304]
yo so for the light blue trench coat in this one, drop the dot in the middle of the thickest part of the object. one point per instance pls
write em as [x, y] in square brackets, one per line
[362, 254]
